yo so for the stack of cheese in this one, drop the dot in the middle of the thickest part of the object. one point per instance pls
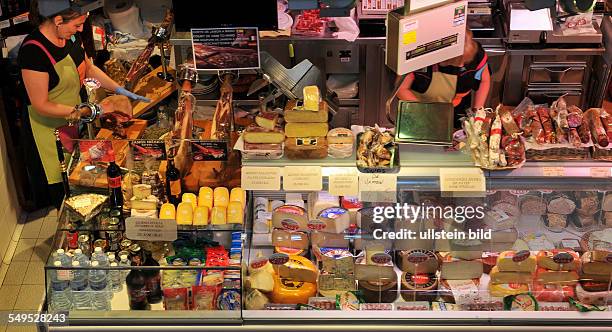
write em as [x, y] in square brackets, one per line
[556, 275]
[265, 136]
[306, 127]
[143, 203]
[594, 287]
[420, 275]
[512, 274]
[337, 271]
[215, 207]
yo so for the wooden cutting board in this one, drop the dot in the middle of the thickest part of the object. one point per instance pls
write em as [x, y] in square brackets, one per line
[153, 88]
[80, 177]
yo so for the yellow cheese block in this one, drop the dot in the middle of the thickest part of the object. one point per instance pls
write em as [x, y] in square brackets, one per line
[509, 262]
[221, 197]
[190, 198]
[184, 214]
[238, 195]
[148, 203]
[312, 96]
[299, 268]
[200, 215]
[167, 211]
[287, 291]
[235, 214]
[306, 129]
[499, 277]
[218, 216]
[293, 115]
[205, 197]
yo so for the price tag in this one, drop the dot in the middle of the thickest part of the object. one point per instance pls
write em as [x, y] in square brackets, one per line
[20, 19]
[261, 178]
[464, 180]
[303, 178]
[378, 188]
[601, 172]
[5, 24]
[344, 184]
[150, 229]
[553, 171]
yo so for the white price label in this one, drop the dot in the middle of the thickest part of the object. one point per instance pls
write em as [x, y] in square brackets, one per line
[553, 171]
[150, 229]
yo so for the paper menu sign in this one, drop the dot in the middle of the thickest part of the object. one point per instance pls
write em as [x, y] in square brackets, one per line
[302, 178]
[378, 188]
[343, 184]
[261, 178]
[601, 172]
[553, 171]
[464, 180]
[150, 229]
[225, 48]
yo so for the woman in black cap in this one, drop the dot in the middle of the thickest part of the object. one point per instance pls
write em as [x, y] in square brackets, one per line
[53, 66]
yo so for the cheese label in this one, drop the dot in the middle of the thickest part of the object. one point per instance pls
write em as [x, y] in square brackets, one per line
[278, 259]
[381, 258]
[420, 279]
[521, 256]
[305, 141]
[378, 188]
[316, 225]
[333, 213]
[417, 257]
[467, 181]
[344, 184]
[302, 178]
[600, 172]
[563, 258]
[290, 224]
[259, 263]
[261, 178]
[553, 171]
[150, 229]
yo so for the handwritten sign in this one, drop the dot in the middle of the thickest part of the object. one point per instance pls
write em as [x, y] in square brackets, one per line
[346, 184]
[379, 188]
[150, 229]
[261, 178]
[553, 171]
[601, 172]
[465, 180]
[303, 178]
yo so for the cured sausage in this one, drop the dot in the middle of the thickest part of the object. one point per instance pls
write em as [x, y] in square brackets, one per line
[598, 132]
[508, 122]
[547, 125]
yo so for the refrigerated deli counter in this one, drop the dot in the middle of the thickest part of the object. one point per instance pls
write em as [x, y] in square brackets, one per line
[304, 260]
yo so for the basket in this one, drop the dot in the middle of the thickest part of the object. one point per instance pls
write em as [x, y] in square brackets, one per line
[557, 154]
[601, 154]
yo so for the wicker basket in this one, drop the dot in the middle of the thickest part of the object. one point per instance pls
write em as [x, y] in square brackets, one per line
[601, 154]
[557, 154]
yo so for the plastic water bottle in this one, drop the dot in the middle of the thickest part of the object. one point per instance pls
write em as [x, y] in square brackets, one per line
[80, 257]
[124, 262]
[61, 299]
[115, 279]
[100, 256]
[60, 255]
[98, 283]
[80, 292]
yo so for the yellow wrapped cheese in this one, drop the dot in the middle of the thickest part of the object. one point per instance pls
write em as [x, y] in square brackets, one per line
[238, 195]
[167, 211]
[200, 215]
[190, 198]
[184, 214]
[312, 96]
[218, 216]
[306, 129]
[509, 261]
[234, 213]
[221, 197]
[205, 197]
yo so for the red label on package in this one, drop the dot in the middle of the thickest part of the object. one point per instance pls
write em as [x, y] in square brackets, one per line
[290, 225]
[420, 279]
[279, 259]
[417, 257]
[316, 225]
[381, 258]
[114, 182]
[259, 263]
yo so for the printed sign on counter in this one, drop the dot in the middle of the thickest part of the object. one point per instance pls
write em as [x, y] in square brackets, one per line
[601, 172]
[225, 48]
[145, 148]
[150, 229]
[553, 171]
[303, 178]
[378, 188]
[344, 184]
[463, 180]
[209, 150]
[261, 178]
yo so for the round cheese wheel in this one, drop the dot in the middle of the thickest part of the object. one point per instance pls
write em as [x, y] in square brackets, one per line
[336, 219]
[419, 287]
[381, 291]
[341, 136]
[287, 291]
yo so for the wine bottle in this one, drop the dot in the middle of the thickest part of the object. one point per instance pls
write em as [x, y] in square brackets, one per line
[113, 174]
[173, 183]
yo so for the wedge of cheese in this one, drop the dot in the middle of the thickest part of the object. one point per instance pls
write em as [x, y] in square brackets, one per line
[267, 120]
[458, 269]
[559, 260]
[312, 97]
[298, 268]
[261, 281]
[141, 191]
[290, 217]
[319, 201]
[508, 261]
[591, 266]
[305, 130]
[148, 203]
[501, 277]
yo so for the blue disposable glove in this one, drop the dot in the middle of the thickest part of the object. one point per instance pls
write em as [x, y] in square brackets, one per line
[123, 91]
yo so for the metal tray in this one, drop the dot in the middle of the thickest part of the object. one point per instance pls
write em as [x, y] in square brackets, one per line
[424, 123]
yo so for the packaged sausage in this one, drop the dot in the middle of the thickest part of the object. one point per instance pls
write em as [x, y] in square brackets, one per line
[508, 122]
[574, 116]
[574, 138]
[514, 150]
[598, 133]
[547, 125]
[560, 203]
[606, 121]
[494, 143]
[537, 131]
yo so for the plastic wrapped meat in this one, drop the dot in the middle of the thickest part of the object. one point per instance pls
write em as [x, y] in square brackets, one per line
[514, 150]
[547, 125]
[495, 141]
[536, 129]
[574, 116]
[574, 138]
[598, 133]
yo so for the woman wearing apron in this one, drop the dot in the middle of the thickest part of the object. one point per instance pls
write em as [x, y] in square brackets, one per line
[452, 81]
[53, 65]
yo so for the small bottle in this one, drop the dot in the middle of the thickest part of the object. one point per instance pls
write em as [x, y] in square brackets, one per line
[173, 183]
[99, 286]
[124, 262]
[80, 289]
[61, 299]
[116, 281]
[61, 256]
[80, 257]
[113, 174]
[100, 257]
